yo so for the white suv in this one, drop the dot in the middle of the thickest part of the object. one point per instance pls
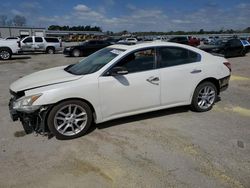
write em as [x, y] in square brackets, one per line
[118, 81]
[41, 44]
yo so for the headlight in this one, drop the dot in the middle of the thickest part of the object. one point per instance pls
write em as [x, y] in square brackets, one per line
[25, 103]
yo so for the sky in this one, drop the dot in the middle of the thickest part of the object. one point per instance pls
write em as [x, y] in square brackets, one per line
[134, 15]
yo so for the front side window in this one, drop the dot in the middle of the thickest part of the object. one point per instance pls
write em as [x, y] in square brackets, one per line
[173, 56]
[138, 61]
[94, 62]
[29, 39]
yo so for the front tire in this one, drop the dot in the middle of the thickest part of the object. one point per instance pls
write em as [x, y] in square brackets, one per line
[204, 97]
[70, 119]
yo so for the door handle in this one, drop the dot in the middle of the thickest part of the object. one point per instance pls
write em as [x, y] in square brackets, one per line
[195, 71]
[153, 80]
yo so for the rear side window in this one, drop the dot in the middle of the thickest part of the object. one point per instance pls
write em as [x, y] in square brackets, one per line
[51, 39]
[235, 43]
[92, 42]
[100, 42]
[38, 39]
[173, 56]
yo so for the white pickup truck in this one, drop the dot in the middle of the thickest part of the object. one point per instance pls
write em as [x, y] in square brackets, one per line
[49, 45]
[7, 48]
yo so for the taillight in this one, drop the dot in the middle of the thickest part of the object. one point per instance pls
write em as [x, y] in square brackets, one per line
[19, 44]
[60, 43]
[228, 65]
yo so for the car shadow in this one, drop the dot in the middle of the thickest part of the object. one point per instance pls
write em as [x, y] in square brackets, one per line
[19, 58]
[14, 60]
[68, 56]
[135, 118]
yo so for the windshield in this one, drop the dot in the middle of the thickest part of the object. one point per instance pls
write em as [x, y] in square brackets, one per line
[94, 62]
[245, 42]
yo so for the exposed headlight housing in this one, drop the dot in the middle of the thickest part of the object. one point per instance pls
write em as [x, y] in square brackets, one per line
[25, 104]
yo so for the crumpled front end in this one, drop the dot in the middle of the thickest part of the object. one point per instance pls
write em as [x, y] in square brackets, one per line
[32, 119]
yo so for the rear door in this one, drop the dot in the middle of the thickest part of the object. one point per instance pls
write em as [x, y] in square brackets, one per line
[39, 44]
[180, 72]
[92, 47]
[235, 48]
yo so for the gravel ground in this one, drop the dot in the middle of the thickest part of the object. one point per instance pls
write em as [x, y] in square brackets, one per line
[167, 148]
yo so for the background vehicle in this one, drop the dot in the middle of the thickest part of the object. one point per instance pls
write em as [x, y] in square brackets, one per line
[13, 38]
[128, 41]
[85, 48]
[49, 45]
[107, 85]
[180, 40]
[8, 48]
[231, 48]
[246, 44]
[192, 41]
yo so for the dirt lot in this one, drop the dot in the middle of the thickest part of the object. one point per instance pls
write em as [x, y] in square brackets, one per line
[169, 148]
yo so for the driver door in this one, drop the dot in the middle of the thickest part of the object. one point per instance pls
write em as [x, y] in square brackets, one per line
[27, 44]
[139, 90]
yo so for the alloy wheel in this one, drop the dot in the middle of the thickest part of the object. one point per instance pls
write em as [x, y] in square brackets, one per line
[70, 119]
[206, 97]
[4, 54]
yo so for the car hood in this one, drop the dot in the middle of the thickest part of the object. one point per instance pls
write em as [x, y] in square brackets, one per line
[43, 78]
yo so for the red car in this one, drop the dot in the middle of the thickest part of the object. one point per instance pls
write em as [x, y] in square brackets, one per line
[193, 41]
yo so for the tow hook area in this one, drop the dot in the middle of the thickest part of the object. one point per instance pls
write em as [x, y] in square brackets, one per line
[35, 122]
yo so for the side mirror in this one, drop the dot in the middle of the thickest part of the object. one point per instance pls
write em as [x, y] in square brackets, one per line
[118, 71]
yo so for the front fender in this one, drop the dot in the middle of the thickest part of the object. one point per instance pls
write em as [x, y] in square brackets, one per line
[76, 89]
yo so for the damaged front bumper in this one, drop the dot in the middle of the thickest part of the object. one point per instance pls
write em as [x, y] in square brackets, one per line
[31, 121]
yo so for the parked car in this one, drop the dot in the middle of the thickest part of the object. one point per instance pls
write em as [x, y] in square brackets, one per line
[180, 40]
[49, 45]
[85, 48]
[231, 48]
[192, 41]
[128, 41]
[246, 44]
[107, 85]
[112, 40]
[8, 48]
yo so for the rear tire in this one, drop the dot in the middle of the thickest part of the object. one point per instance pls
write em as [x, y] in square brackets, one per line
[76, 53]
[204, 97]
[243, 53]
[70, 119]
[50, 50]
[5, 54]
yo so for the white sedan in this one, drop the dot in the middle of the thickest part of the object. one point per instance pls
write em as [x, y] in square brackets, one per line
[117, 81]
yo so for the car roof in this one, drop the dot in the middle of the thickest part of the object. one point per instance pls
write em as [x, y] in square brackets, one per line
[151, 44]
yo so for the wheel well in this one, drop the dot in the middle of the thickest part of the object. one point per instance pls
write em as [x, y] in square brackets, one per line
[83, 100]
[51, 106]
[6, 48]
[50, 47]
[214, 81]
